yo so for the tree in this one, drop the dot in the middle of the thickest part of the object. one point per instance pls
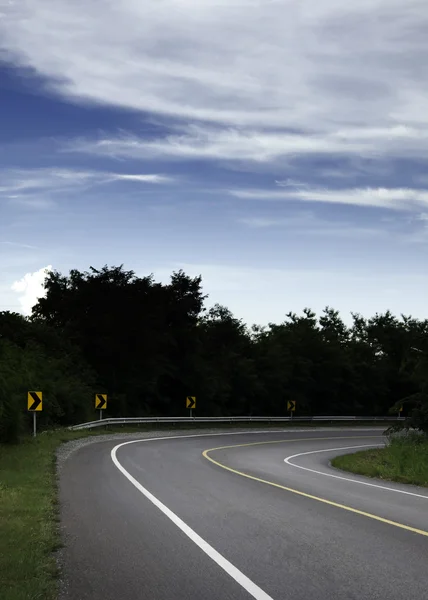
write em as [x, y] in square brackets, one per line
[34, 357]
[149, 345]
[135, 333]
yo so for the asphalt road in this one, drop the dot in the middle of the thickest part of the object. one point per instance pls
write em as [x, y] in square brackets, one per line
[255, 515]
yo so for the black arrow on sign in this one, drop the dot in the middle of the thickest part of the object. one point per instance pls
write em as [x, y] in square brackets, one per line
[101, 402]
[36, 401]
[191, 402]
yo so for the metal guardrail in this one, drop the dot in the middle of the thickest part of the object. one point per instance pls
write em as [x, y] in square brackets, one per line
[175, 420]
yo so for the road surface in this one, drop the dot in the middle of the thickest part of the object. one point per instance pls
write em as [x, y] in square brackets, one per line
[239, 516]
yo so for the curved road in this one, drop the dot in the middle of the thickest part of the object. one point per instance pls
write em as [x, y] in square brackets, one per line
[239, 516]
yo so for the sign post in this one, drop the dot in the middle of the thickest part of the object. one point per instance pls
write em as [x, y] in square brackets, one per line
[400, 410]
[291, 406]
[34, 405]
[101, 403]
[191, 403]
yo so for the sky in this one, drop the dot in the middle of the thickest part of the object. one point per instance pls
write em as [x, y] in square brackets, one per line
[278, 148]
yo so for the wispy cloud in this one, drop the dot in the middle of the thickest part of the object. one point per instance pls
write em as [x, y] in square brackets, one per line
[141, 178]
[390, 198]
[308, 224]
[31, 200]
[246, 144]
[18, 245]
[37, 188]
[203, 142]
[291, 183]
[284, 63]
[271, 78]
[23, 180]
[408, 229]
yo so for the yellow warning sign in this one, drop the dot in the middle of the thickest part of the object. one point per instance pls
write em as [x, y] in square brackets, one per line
[34, 401]
[291, 405]
[191, 402]
[101, 401]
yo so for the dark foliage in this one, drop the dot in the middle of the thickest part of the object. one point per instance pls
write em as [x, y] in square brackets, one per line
[149, 345]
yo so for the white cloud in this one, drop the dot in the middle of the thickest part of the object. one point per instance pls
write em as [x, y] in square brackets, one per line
[390, 198]
[203, 142]
[24, 180]
[36, 188]
[399, 230]
[263, 222]
[30, 288]
[310, 225]
[30, 200]
[141, 178]
[18, 245]
[291, 183]
[350, 77]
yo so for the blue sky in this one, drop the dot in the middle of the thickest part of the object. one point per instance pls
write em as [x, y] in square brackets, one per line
[276, 147]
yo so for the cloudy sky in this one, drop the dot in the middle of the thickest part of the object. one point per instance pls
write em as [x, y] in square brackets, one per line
[277, 147]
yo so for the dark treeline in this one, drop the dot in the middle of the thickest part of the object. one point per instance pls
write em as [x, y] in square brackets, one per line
[149, 345]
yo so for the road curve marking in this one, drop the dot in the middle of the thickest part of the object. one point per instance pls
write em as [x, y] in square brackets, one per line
[346, 437]
[205, 453]
[253, 589]
[382, 487]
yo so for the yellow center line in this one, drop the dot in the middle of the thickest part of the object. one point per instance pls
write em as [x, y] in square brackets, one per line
[205, 453]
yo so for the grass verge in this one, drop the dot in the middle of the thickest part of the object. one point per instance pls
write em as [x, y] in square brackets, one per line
[404, 459]
[29, 532]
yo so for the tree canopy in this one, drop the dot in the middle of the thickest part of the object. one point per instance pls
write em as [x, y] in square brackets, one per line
[149, 345]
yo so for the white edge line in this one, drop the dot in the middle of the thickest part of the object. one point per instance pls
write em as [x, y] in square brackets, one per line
[254, 590]
[382, 487]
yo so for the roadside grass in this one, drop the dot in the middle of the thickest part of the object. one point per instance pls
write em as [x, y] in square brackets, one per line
[29, 515]
[404, 459]
[29, 511]
[29, 533]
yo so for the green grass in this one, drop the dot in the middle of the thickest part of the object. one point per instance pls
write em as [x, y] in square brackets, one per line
[404, 459]
[29, 517]
[29, 533]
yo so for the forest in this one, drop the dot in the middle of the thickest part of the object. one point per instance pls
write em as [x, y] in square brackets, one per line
[149, 345]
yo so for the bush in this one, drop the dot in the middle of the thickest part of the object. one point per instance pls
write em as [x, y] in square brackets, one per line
[28, 364]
